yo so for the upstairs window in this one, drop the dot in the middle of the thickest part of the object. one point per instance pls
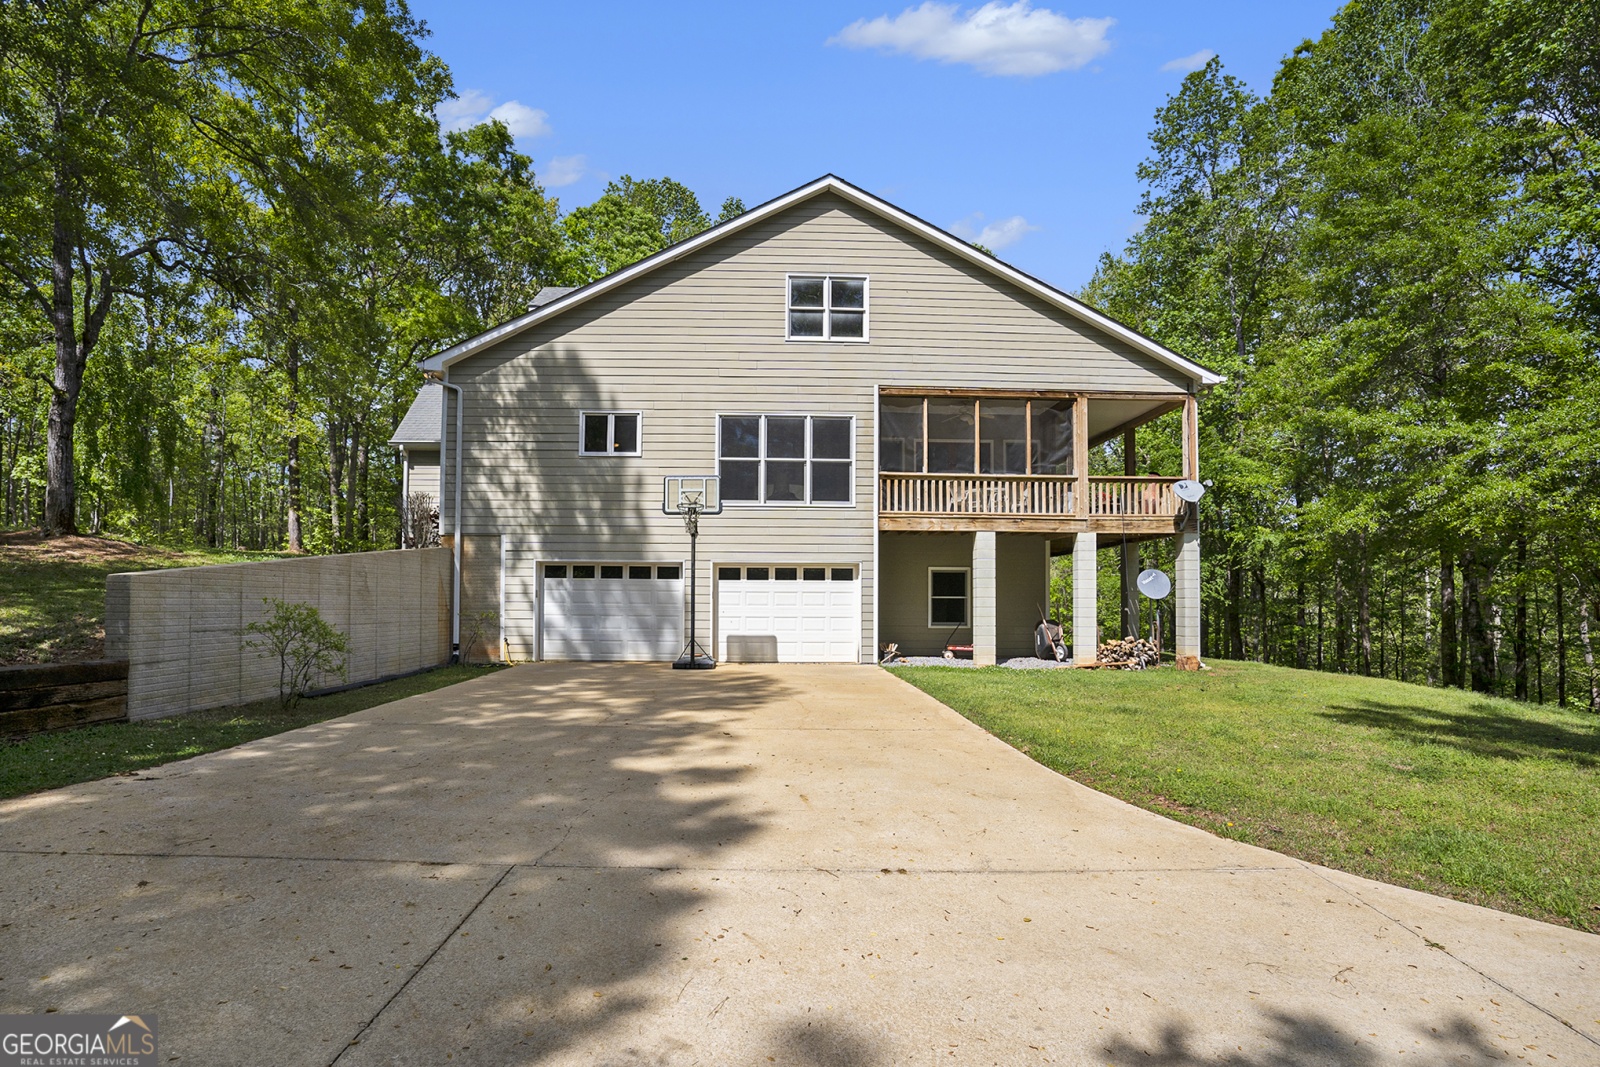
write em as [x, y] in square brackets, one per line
[608, 433]
[827, 307]
[786, 459]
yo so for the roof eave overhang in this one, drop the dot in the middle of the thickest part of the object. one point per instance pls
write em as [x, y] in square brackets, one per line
[1200, 376]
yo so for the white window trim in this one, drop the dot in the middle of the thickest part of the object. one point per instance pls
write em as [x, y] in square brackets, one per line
[827, 306]
[808, 460]
[611, 414]
[966, 621]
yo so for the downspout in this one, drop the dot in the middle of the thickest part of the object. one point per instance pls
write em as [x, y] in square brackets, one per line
[455, 526]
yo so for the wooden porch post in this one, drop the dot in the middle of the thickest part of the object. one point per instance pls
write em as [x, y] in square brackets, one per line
[1080, 454]
[1130, 549]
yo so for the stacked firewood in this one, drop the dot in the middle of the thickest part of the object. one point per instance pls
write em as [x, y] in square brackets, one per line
[1129, 653]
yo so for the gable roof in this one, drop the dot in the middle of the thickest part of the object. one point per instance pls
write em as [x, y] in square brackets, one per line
[423, 418]
[828, 183]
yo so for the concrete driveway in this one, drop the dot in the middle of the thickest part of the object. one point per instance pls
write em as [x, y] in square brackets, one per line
[607, 864]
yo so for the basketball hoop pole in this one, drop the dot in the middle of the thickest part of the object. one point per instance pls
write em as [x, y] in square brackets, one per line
[693, 657]
[690, 496]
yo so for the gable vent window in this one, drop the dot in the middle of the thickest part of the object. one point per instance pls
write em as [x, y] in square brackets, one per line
[827, 308]
[608, 433]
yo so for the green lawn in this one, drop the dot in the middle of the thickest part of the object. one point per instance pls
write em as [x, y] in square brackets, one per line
[1482, 799]
[46, 761]
[53, 593]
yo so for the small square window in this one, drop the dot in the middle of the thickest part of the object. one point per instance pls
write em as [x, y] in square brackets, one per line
[727, 574]
[825, 307]
[785, 574]
[583, 570]
[815, 574]
[671, 573]
[844, 574]
[609, 433]
[611, 571]
[757, 574]
[556, 570]
[638, 572]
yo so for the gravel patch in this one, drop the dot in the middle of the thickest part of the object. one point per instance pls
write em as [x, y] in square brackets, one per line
[1021, 663]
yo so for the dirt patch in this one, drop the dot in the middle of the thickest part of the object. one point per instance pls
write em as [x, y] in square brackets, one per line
[78, 548]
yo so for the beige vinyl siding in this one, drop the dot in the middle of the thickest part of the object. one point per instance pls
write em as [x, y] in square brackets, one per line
[423, 472]
[707, 336]
[1020, 585]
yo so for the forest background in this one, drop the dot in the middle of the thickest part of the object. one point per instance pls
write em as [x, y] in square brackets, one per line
[229, 231]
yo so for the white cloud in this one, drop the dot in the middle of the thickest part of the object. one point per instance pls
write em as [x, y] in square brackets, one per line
[473, 107]
[1189, 64]
[1007, 39]
[522, 120]
[994, 235]
[563, 170]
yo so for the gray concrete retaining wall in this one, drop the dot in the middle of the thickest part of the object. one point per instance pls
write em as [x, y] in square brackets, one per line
[179, 630]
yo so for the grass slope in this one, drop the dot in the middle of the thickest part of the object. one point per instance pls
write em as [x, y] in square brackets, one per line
[1482, 799]
[53, 593]
[48, 761]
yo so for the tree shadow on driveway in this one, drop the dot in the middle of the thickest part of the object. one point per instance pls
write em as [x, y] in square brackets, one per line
[1305, 1040]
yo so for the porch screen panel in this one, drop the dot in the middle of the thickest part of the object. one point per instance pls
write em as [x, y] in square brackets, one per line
[900, 434]
[951, 442]
[1003, 437]
[1052, 437]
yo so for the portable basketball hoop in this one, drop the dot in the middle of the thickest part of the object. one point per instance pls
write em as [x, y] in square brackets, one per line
[691, 496]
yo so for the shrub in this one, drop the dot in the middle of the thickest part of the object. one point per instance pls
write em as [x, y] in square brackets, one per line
[304, 644]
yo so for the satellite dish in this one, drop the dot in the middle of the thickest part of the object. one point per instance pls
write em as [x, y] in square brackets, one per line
[1154, 584]
[1189, 489]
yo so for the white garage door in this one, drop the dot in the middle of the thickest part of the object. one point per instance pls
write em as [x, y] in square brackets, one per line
[789, 614]
[611, 611]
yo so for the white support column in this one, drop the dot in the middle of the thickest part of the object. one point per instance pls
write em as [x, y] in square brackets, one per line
[984, 643]
[1186, 644]
[1085, 598]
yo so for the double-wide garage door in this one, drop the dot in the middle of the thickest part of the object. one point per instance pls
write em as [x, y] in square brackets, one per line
[788, 614]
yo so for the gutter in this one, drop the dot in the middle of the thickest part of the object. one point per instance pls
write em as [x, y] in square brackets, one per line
[455, 526]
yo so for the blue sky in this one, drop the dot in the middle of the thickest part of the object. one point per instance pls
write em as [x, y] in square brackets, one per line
[1015, 122]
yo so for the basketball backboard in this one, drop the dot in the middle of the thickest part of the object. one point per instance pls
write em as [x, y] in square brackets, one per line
[699, 493]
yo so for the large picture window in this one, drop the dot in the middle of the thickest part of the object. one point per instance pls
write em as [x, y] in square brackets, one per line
[786, 459]
[969, 435]
[827, 307]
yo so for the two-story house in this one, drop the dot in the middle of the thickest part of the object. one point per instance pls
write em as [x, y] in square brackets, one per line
[901, 424]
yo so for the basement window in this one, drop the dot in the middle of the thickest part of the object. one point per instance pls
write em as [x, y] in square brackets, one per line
[948, 597]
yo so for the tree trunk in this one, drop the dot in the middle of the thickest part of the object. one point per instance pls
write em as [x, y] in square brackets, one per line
[1519, 639]
[1235, 630]
[1300, 624]
[1449, 654]
[1476, 574]
[336, 454]
[1260, 578]
[1561, 641]
[1341, 628]
[61, 489]
[296, 536]
[1364, 610]
[1588, 652]
[363, 515]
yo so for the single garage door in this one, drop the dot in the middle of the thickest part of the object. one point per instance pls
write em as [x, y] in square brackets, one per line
[612, 611]
[789, 614]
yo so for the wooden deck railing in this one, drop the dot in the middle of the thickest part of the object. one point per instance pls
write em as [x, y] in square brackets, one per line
[1001, 495]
